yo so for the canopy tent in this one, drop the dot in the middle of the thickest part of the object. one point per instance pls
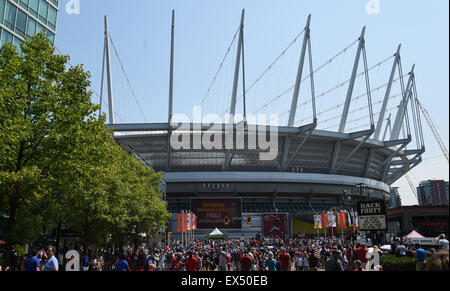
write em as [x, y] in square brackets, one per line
[416, 238]
[414, 234]
[216, 234]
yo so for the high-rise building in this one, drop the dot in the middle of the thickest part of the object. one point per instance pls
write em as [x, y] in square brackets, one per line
[21, 19]
[433, 193]
[396, 201]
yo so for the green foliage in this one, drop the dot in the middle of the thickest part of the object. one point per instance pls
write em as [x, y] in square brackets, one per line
[58, 162]
[392, 263]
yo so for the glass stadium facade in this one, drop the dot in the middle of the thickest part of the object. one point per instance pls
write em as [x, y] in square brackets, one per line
[21, 19]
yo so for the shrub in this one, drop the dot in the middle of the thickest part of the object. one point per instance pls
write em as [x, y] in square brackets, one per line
[398, 264]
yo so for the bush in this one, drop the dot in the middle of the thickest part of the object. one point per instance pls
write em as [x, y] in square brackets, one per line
[398, 264]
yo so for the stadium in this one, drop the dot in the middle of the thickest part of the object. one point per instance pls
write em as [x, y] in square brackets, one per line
[314, 169]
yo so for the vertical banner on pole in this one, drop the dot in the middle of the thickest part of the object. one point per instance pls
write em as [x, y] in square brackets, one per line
[184, 222]
[317, 222]
[180, 223]
[188, 221]
[324, 220]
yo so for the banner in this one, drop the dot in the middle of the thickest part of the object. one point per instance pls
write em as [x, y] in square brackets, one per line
[324, 220]
[189, 221]
[182, 218]
[317, 222]
[214, 213]
[275, 225]
[184, 224]
[331, 220]
[194, 221]
[372, 215]
[342, 220]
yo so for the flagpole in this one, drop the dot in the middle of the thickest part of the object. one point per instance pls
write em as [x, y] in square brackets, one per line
[182, 228]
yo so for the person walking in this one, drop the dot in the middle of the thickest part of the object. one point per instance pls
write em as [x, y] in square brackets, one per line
[334, 264]
[285, 261]
[442, 242]
[223, 261]
[420, 258]
[122, 264]
[32, 264]
[271, 263]
[246, 262]
[191, 263]
[52, 264]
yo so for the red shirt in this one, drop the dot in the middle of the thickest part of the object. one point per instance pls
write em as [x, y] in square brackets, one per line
[360, 254]
[348, 254]
[176, 266]
[285, 260]
[191, 264]
[246, 263]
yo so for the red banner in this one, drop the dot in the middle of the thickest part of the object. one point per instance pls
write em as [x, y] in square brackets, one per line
[275, 225]
[324, 219]
[341, 220]
[182, 222]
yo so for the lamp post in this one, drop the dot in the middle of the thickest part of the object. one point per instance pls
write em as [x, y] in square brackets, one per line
[348, 197]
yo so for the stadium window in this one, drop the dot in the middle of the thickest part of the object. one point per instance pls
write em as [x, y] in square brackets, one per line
[33, 7]
[52, 15]
[2, 9]
[31, 27]
[43, 11]
[6, 37]
[21, 23]
[17, 42]
[10, 15]
[40, 28]
[24, 4]
[50, 36]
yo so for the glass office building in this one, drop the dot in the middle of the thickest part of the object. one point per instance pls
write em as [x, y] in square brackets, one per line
[21, 19]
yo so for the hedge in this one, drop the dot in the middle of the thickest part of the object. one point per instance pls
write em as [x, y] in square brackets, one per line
[398, 264]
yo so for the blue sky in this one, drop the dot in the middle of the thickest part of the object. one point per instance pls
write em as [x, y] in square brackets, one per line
[204, 28]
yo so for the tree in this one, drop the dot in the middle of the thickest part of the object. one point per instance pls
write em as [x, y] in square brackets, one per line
[43, 108]
[58, 162]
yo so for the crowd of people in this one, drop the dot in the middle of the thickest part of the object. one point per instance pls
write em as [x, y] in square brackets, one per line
[319, 254]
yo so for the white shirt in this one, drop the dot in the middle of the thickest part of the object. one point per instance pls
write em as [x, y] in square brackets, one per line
[401, 250]
[162, 262]
[444, 244]
[302, 262]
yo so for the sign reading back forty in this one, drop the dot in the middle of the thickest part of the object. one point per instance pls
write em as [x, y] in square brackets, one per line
[372, 215]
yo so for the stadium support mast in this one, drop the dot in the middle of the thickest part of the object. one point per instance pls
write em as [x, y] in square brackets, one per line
[229, 155]
[285, 161]
[299, 74]
[236, 72]
[108, 73]
[352, 82]
[403, 108]
[387, 95]
[170, 111]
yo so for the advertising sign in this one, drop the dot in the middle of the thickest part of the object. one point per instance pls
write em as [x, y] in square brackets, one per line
[275, 225]
[372, 215]
[217, 213]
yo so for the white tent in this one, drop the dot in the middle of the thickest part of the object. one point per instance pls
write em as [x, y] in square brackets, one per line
[414, 234]
[216, 234]
[416, 238]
